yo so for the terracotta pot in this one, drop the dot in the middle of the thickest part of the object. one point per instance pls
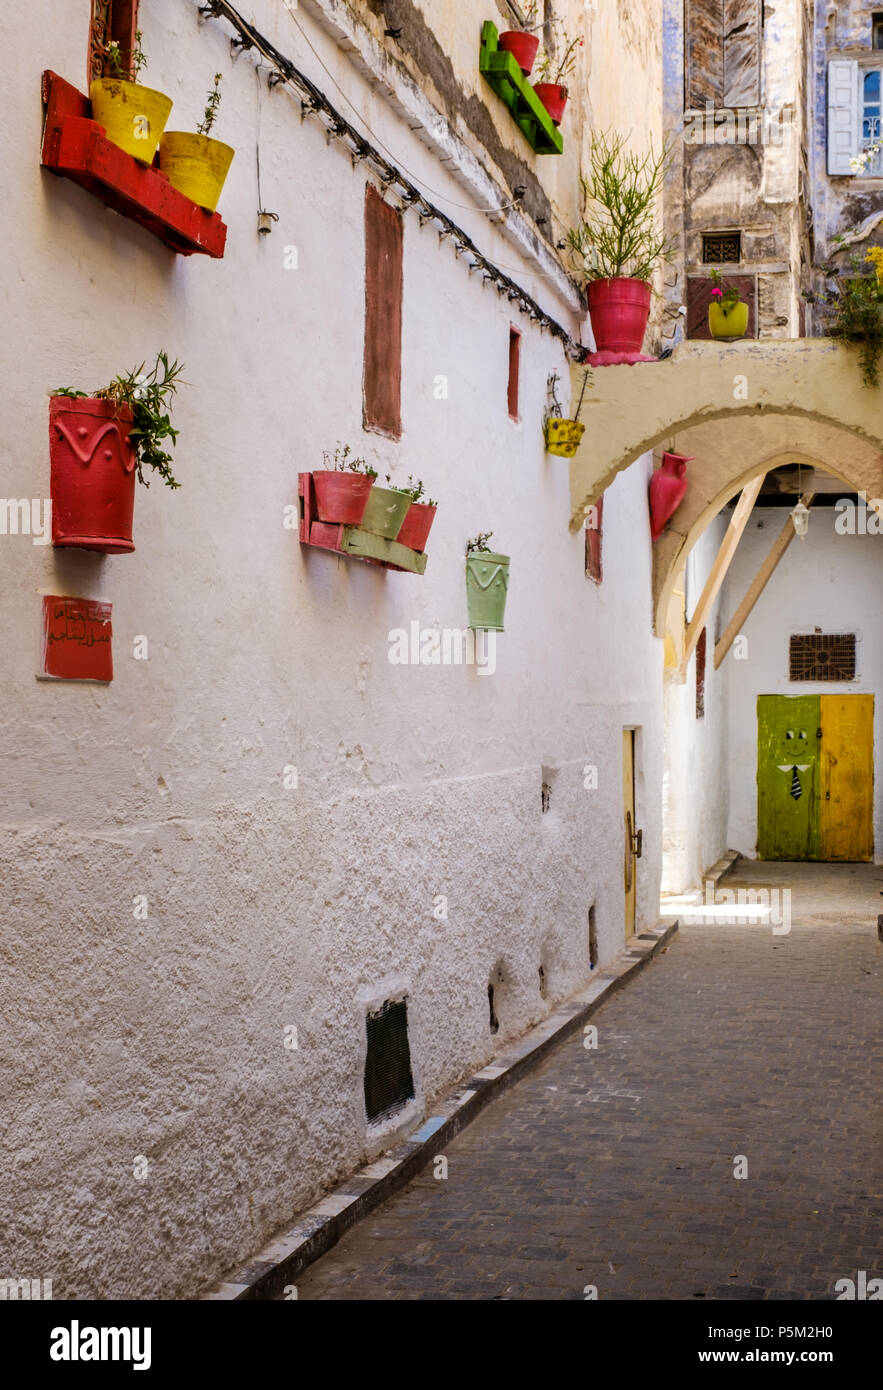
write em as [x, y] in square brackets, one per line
[523, 47]
[92, 474]
[620, 309]
[554, 97]
[341, 497]
[417, 526]
[667, 489]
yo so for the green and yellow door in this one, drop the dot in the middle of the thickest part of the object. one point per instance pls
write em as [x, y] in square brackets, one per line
[815, 777]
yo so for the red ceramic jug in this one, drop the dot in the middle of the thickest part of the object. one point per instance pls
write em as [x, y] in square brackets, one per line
[667, 488]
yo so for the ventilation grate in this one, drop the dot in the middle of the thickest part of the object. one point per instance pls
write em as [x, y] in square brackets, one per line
[823, 656]
[722, 248]
[388, 1079]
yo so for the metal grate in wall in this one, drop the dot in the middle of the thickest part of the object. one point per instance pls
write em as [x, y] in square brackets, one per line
[388, 1079]
[722, 248]
[822, 656]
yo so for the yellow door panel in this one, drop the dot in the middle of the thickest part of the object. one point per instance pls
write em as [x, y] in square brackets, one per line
[847, 782]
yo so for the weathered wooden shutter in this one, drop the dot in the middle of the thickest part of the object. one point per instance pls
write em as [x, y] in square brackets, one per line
[383, 316]
[704, 56]
[723, 53]
[842, 114]
[741, 45]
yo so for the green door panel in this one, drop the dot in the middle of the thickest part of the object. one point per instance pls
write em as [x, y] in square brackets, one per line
[788, 734]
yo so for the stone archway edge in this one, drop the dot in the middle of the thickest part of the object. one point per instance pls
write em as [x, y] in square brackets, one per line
[632, 409]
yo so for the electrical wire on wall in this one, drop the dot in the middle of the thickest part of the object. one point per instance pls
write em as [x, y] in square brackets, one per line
[314, 103]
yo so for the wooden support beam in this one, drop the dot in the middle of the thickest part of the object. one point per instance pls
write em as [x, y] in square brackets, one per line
[757, 585]
[738, 521]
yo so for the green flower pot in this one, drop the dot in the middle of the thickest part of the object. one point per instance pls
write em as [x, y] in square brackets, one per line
[385, 512]
[728, 325]
[487, 582]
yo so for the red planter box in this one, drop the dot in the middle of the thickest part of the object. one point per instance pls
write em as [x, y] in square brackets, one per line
[92, 474]
[341, 497]
[554, 97]
[75, 147]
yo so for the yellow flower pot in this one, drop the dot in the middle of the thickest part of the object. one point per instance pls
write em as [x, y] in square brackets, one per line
[728, 325]
[196, 165]
[133, 117]
[563, 436]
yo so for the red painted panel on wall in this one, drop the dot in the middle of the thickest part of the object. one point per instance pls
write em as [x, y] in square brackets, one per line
[77, 639]
[383, 316]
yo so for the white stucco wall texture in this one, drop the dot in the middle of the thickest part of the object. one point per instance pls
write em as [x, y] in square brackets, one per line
[269, 907]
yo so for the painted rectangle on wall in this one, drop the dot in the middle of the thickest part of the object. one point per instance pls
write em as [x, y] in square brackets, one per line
[382, 386]
[788, 737]
[847, 806]
[77, 639]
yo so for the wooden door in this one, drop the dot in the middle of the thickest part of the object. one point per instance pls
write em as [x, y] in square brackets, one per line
[847, 781]
[630, 865]
[788, 739]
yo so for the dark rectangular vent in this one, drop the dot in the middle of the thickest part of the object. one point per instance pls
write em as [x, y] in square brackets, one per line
[823, 656]
[388, 1079]
[722, 248]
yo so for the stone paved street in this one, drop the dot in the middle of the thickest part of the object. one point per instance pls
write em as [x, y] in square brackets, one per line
[615, 1167]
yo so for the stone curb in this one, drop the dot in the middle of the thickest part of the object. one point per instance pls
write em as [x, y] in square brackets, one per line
[321, 1226]
[724, 866]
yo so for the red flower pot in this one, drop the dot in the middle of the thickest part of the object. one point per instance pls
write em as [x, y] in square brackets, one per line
[417, 526]
[341, 497]
[554, 98]
[667, 488]
[620, 309]
[523, 47]
[92, 473]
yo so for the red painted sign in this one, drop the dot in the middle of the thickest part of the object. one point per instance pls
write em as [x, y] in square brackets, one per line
[77, 639]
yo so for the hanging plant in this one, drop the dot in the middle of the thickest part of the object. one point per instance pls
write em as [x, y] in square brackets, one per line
[487, 583]
[852, 308]
[99, 443]
[343, 487]
[563, 435]
[195, 163]
[553, 68]
[727, 312]
[523, 42]
[420, 516]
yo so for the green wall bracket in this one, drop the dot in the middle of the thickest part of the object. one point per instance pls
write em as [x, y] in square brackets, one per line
[511, 86]
[371, 547]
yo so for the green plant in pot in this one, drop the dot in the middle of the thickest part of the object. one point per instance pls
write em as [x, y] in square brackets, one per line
[487, 583]
[343, 487]
[419, 518]
[618, 245]
[852, 308]
[727, 312]
[554, 67]
[562, 434]
[386, 510]
[133, 116]
[99, 443]
[196, 164]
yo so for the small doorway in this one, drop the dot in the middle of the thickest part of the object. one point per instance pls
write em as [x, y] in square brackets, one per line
[815, 777]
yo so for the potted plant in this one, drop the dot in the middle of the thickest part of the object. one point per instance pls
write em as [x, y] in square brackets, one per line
[551, 90]
[487, 583]
[343, 487]
[618, 244]
[196, 164]
[563, 435]
[386, 510]
[727, 312]
[523, 43]
[98, 444]
[420, 516]
[133, 116]
[853, 309]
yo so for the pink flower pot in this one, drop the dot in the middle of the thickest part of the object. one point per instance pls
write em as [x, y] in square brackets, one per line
[417, 526]
[554, 97]
[668, 487]
[620, 309]
[523, 47]
[341, 497]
